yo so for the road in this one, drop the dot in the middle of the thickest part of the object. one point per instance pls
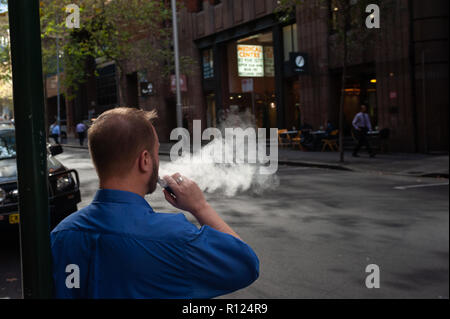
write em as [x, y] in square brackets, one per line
[317, 232]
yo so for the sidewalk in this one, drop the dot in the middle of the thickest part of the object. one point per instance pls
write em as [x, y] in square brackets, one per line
[409, 164]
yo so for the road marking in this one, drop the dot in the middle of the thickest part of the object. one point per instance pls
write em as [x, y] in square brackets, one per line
[420, 186]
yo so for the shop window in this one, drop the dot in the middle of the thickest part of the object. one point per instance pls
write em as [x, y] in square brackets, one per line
[290, 40]
[251, 82]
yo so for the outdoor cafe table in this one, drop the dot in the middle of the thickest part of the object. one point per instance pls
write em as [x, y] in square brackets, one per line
[319, 132]
[290, 133]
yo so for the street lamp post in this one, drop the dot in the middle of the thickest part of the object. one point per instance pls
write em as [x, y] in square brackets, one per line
[58, 98]
[177, 63]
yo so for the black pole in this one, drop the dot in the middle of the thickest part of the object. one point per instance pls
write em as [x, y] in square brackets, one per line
[31, 148]
[277, 33]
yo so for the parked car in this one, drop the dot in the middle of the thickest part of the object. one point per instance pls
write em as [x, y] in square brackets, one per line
[63, 183]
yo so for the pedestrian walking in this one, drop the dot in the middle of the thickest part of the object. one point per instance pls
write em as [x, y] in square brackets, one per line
[81, 131]
[362, 125]
[55, 132]
[121, 248]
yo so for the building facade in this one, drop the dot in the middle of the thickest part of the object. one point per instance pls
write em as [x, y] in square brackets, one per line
[287, 71]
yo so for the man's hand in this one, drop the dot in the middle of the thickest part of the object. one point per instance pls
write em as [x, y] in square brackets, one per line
[188, 196]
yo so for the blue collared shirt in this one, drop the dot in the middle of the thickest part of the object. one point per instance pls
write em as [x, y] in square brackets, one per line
[123, 249]
[55, 130]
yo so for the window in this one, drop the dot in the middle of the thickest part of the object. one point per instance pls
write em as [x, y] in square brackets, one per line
[337, 10]
[334, 14]
[106, 86]
[290, 40]
[194, 5]
[208, 64]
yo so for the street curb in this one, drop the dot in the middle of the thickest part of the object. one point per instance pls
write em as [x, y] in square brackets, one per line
[74, 146]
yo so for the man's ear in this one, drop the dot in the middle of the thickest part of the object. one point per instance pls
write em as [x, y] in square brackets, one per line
[145, 162]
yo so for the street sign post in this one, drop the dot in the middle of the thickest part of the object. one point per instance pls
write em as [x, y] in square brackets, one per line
[31, 150]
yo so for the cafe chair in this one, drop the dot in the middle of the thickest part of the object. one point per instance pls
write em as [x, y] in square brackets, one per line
[297, 141]
[283, 138]
[331, 142]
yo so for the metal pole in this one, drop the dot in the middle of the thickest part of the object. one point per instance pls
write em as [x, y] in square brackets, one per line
[58, 99]
[177, 63]
[31, 148]
[424, 103]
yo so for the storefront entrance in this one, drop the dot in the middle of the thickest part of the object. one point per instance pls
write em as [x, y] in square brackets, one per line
[251, 78]
[244, 73]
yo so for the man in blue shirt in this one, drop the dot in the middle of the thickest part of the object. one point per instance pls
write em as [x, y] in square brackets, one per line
[55, 132]
[118, 247]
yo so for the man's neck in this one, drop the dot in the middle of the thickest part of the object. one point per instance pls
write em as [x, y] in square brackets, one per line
[122, 186]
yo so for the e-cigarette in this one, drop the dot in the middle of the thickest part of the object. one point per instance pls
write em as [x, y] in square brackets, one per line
[166, 186]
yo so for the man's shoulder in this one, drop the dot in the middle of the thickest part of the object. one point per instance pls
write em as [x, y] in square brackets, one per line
[167, 227]
[170, 227]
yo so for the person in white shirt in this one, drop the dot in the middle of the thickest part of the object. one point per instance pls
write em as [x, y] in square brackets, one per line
[362, 125]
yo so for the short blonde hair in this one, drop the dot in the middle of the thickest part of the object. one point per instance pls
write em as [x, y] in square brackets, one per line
[117, 137]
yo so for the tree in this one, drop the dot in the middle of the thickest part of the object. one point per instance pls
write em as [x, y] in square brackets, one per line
[348, 21]
[119, 31]
[5, 63]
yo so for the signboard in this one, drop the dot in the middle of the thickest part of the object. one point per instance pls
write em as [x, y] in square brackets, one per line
[298, 62]
[247, 85]
[183, 83]
[250, 60]
[269, 62]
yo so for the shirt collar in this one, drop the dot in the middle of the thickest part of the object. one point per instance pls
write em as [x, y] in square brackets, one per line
[117, 196]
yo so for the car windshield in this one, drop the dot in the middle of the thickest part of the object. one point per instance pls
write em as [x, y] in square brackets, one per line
[7, 145]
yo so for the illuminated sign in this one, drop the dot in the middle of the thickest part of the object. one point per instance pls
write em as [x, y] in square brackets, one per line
[250, 60]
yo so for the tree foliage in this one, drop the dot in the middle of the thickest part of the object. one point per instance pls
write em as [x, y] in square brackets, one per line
[5, 62]
[110, 30]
